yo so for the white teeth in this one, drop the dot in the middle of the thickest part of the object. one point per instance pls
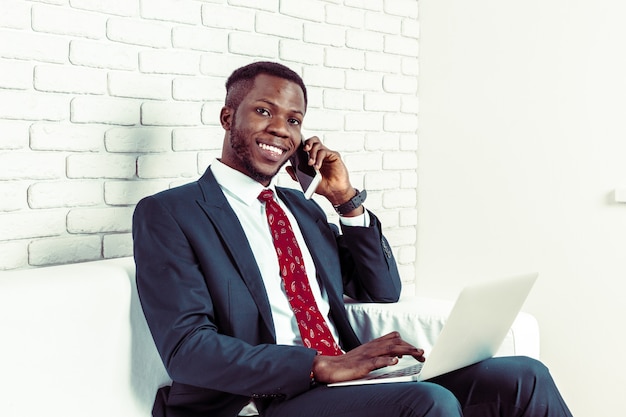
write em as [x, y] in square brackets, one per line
[271, 148]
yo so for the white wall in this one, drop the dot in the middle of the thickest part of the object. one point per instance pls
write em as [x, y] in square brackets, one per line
[522, 142]
[104, 102]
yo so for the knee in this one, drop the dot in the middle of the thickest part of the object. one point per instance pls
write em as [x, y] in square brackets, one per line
[436, 401]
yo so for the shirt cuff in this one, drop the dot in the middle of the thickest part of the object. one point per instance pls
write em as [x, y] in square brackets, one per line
[362, 220]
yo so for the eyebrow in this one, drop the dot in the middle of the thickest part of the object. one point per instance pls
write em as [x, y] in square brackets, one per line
[271, 103]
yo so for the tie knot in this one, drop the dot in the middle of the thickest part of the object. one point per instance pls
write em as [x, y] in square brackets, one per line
[266, 195]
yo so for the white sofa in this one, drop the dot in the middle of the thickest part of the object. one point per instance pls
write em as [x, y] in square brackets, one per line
[75, 342]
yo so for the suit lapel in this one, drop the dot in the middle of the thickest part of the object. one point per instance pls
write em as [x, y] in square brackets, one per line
[227, 225]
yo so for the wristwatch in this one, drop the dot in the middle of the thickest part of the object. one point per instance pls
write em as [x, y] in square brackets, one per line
[352, 204]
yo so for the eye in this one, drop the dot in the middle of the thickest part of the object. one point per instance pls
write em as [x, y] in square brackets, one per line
[263, 111]
[293, 121]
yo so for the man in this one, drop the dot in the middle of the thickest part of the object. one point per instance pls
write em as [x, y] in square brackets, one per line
[219, 295]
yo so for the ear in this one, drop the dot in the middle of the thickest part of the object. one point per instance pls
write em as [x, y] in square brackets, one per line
[226, 116]
[291, 172]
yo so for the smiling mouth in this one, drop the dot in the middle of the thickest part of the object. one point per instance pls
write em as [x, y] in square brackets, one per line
[273, 149]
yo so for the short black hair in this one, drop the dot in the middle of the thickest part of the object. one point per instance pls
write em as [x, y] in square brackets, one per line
[242, 80]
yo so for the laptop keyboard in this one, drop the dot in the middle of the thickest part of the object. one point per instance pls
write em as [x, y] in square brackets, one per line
[409, 370]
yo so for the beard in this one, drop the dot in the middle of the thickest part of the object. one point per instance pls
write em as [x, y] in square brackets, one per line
[241, 146]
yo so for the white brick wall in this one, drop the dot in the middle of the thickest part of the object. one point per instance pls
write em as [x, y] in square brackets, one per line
[105, 102]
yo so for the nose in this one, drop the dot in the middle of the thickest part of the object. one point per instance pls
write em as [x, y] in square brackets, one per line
[278, 127]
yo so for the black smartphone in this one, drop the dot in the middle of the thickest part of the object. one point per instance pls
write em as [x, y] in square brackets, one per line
[308, 177]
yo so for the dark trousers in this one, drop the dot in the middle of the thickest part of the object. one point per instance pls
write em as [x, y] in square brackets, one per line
[498, 387]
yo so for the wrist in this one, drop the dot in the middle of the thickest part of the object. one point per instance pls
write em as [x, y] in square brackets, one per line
[352, 206]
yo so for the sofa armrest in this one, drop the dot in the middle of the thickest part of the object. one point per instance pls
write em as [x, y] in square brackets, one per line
[420, 320]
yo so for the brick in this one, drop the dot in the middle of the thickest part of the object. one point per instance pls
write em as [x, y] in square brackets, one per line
[364, 81]
[170, 114]
[198, 88]
[57, 194]
[345, 58]
[65, 137]
[343, 100]
[382, 141]
[182, 11]
[100, 220]
[364, 40]
[138, 139]
[365, 4]
[138, 32]
[382, 102]
[15, 14]
[326, 120]
[267, 5]
[35, 46]
[409, 179]
[383, 23]
[14, 255]
[318, 76]
[211, 113]
[401, 45]
[400, 160]
[406, 255]
[400, 122]
[304, 9]
[253, 45]
[123, 193]
[410, 66]
[64, 250]
[277, 25]
[324, 34]
[411, 28]
[381, 62]
[299, 52]
[404, 8]
[388, 218]
[400, 84]
[345, 16]
[134, 85]
[206, 158]
[14, 134]
[169, 62]
[226, 17]
[104, 110]
[364, 121]
[410, 104]
[16, 74]
[362, 161]
[69, 79]
[31, 224]
[408, 142]
[221, 65]
[180, 164]
[116, 7]
[31, 166]
[196, 139]
[201, 39]
[65, 21]
[400, 199]
[103, 55]
[100, 166]
[117, 245]
[345, 141]
[12, 196]
[26, 105]
[408, 217]
[382, 180]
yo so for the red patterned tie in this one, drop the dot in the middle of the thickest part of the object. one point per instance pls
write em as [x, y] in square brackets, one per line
[313, 328]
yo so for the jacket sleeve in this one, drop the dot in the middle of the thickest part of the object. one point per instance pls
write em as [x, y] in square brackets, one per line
[190, 306]
[369, 269]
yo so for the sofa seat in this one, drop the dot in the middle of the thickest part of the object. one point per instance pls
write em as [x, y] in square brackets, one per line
[75, 342]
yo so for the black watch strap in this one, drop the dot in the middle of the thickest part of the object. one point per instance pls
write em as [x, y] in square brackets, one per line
[352, 204]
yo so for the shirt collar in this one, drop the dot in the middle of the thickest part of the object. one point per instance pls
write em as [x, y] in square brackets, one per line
[237, 184]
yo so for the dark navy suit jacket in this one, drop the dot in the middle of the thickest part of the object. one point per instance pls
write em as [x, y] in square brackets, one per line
[206, 304]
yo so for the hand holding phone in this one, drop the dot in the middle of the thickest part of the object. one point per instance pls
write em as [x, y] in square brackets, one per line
[309, 177]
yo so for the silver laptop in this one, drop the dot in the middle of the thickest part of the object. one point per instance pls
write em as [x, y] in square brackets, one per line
[474, 331]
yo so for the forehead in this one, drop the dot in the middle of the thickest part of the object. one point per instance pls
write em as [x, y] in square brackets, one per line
[278, 91]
